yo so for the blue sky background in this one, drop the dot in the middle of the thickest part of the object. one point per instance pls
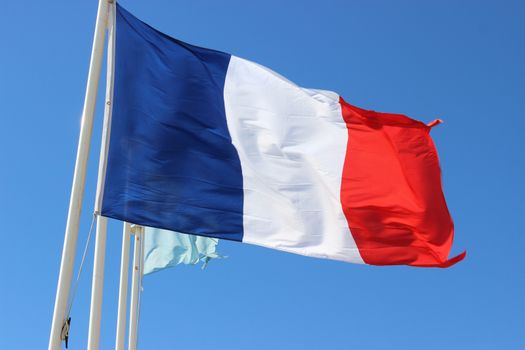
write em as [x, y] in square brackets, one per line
[462, 61]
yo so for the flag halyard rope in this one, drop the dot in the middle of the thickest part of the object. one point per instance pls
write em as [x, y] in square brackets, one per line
[67, 320]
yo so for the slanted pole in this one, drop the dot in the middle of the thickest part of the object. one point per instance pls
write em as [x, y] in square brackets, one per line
[79, 179]
[95, 316]
[123, 288]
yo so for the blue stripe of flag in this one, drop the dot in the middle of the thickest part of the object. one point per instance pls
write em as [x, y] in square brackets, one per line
[171, 162]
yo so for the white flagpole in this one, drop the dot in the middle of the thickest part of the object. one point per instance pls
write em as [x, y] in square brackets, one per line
[123, 288]
[135, 285]
[97, 286]
[79, 179]
[95, 312]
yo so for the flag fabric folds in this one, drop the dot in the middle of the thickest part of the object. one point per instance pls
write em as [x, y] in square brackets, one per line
[210, 144]
[163, 249]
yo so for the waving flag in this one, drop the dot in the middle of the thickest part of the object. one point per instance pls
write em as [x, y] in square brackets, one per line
[163, 249]
[207, 143]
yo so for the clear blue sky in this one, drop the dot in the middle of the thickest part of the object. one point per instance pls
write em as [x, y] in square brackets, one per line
[462, 61]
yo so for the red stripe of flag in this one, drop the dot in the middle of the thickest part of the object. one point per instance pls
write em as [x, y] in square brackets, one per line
[391, 191]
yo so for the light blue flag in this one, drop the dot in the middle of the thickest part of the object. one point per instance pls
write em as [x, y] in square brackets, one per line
[163, 248]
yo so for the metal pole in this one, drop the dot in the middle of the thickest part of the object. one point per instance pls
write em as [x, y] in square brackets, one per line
[133, 312]
[79, 179]
[95, 315]
[108, 108]
[123, 288]
[95, 312]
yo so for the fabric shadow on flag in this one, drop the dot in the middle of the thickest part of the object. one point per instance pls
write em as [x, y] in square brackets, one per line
[206, 143]
[163, 249]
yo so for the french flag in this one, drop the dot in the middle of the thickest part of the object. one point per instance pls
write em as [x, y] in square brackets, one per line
[207, 143]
